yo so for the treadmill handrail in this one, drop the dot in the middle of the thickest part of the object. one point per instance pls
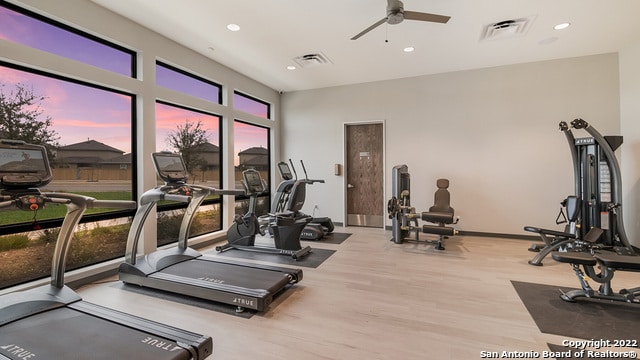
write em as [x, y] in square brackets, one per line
[76, 206]
[147, 201]
[151, 197]
[200, 193]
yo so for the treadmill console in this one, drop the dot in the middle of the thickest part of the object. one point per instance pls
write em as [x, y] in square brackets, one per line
[170, 167]
[23, 165]
[253, 181]
[285, 171]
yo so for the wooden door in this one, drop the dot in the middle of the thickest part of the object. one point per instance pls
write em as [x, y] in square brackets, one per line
[365, 174]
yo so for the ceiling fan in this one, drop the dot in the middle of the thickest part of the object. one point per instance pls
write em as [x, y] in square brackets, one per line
[396, 14]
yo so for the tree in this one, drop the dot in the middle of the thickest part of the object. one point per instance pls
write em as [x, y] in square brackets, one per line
[185, 140]
[21, 118]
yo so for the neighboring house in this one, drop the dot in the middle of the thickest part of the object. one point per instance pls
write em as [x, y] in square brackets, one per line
[254, 158]
[85, 154]
[210, 154]
[91, 160]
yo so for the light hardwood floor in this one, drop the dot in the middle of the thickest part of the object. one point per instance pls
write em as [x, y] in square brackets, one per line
[374, 299]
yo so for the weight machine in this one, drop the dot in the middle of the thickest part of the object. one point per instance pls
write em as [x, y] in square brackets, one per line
[403, 215]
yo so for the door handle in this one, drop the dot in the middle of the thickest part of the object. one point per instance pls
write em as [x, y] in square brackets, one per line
[349, 186]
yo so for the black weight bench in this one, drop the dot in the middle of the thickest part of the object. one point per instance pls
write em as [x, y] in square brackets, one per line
[608, 263]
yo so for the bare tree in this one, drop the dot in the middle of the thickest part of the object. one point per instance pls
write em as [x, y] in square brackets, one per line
[22, 118]
[185, 140]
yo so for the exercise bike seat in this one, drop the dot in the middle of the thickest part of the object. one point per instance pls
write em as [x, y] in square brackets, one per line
[573, 257]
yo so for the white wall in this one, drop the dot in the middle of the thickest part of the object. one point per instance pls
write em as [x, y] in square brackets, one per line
[630, 126]
[493, 132]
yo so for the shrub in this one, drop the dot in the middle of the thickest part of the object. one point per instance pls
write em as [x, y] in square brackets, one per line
[15, 241]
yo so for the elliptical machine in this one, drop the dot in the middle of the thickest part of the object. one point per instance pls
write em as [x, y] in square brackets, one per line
[318, 227]
[284, 227]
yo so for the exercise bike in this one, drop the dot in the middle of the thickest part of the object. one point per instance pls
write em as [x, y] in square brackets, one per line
[284, 227]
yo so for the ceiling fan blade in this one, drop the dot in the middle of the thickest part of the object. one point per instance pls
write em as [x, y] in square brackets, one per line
[413, 15]
[380, 22]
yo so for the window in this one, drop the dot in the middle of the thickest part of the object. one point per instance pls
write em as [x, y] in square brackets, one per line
[196, 136]
[251, 144]
[70, 119]
[182, 81]
[30, 29]
[251, 105]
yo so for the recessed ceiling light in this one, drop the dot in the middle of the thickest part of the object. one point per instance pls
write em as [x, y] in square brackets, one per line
[291, 67]
[561, 26]
[233, 27]
[408, 49]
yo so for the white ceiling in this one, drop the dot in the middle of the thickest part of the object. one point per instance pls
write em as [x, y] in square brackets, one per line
[274, 32]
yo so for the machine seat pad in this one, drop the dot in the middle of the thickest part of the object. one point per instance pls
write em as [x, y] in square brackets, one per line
[549, 232]
[617, 261]
[437, 217]
[574, 257]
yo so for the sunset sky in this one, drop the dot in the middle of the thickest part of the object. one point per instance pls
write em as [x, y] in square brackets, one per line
[81, 112]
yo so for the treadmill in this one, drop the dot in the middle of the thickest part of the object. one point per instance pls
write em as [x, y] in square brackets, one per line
[52, 321]
[185, 271]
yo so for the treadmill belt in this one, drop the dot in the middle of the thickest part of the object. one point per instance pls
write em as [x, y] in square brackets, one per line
[68, 334]
[229, 274]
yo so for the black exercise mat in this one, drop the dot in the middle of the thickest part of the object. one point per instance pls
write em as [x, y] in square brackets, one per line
[584, 319]
[312, 260]
[332, 238]
[186, 300]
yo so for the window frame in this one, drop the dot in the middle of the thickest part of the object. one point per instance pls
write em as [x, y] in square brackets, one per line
[134, 58]
[53, 223]
[253, 98]
[175, 206]
[190, 75]
[266, 194]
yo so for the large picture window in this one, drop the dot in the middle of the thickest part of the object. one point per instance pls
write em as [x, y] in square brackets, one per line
[251, 144]
[30, 29]
[195, 136]
[87, 131]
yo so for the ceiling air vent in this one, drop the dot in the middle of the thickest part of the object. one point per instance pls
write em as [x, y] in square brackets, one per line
[507, 29]
[312, 60]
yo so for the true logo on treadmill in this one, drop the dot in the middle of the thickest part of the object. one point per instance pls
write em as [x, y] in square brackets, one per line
[243, 302]
[213, 280]
[161, 344]
[16, 350]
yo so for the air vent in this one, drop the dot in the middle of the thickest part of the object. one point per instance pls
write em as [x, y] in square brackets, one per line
[312, 60]
[507, 29]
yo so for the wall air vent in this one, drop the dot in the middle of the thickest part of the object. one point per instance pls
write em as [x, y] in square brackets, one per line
[312, 60]
[507, 29]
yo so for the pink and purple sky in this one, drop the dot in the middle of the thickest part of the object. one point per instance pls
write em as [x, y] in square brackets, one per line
[80, 112]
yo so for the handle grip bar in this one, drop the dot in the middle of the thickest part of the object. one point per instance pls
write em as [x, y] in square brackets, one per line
[114, 204]
[177, 197]
[230, 192]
